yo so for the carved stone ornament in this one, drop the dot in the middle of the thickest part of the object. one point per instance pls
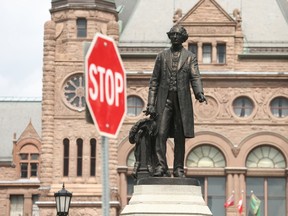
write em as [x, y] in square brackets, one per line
[235, 151]
[207, 111]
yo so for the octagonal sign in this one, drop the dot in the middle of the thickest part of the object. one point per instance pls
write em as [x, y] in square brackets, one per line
[105, 85]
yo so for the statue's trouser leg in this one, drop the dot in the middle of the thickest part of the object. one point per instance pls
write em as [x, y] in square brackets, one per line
[163, 135]
[179, 138]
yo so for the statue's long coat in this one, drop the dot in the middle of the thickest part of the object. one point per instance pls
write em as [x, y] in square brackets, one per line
[188, 73]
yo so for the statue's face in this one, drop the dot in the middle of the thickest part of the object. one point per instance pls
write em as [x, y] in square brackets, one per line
[175, 36]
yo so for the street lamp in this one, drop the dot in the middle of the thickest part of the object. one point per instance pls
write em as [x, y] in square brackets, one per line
[63, 199]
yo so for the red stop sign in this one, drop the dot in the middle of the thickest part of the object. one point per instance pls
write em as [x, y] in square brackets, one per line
[105, 88]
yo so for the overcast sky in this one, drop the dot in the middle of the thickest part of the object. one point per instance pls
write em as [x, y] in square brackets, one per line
[21, 47]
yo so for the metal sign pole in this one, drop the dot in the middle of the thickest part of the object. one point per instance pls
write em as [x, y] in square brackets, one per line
[105, 177]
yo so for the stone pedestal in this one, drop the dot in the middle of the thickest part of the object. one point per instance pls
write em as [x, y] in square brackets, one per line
[167, 196]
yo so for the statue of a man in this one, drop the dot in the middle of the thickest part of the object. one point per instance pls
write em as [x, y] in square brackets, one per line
[170, 98]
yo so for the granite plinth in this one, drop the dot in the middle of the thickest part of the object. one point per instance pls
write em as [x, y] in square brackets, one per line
[167, 196]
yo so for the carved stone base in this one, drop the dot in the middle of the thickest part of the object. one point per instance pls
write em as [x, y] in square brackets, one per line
[167, 196]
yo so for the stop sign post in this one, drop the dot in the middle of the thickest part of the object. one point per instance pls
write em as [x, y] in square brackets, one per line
[105, 88]
[105, 85]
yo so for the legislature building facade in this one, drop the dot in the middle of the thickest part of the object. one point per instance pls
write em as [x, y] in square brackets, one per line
[241, 140]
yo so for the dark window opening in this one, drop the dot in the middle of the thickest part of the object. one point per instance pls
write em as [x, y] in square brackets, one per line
[193, 48]
[79, 156]
[207, 53]
[33, 169]
[24, 170]
[221, 53]
[81, 27]
[93, 157]
[66, 157]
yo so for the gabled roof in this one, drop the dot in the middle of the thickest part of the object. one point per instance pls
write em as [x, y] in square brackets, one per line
[29, 132]
[198, 14]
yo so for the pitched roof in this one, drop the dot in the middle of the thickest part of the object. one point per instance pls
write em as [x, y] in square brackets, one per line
[148, 24]
[263, 21]
[29, 132]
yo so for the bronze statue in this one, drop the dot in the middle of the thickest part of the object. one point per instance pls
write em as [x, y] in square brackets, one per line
[170, 98]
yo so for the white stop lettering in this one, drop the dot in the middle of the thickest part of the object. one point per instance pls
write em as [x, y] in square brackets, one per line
[114, 85]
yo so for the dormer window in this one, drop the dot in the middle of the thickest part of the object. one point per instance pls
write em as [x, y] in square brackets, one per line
[29, 161]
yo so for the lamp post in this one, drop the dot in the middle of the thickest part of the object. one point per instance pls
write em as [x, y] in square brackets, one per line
[63, 199]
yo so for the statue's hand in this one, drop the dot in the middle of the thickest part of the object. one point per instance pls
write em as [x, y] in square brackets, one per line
[150, 110]
[201, 97]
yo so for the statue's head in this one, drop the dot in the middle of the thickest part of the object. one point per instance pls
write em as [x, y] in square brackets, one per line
[178, 29]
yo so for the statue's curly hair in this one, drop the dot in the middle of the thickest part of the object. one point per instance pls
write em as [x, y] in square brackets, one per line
[181, 30]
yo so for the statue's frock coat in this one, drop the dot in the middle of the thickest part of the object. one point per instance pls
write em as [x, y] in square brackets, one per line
[187, 74]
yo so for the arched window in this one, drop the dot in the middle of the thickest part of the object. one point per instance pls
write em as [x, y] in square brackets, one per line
[79, 156]
[130, 180]
[66, 157]
[131, 159]
[205, 156]
[93, 157]
[265, 157]
[243, 106]
[135, 106]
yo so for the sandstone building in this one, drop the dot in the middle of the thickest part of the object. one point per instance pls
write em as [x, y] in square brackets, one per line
[241, 134]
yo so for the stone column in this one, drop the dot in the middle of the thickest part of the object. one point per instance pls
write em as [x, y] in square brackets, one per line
[236, 183]
[48, 104]
[230, 185]
[27, 204]
[200, 53]
[123, 186]
[214, 53]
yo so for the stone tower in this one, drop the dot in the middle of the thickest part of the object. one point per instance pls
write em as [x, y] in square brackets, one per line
[70, 153]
